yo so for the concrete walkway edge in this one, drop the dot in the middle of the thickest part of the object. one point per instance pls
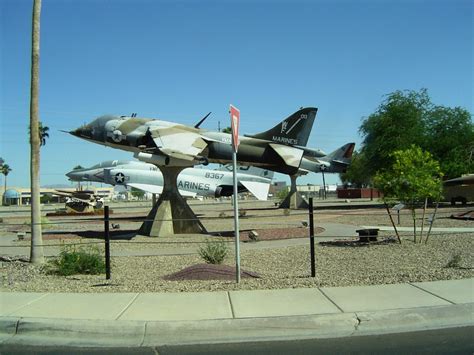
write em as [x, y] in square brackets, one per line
[154, 319]
[68, 332]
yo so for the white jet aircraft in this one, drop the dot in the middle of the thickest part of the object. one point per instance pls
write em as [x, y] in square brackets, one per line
[191, 181]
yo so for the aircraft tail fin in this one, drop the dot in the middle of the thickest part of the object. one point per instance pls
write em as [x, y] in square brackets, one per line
[293, 130]
[341, 156]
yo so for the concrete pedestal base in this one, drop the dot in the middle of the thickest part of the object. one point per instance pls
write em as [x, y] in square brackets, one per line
[171, 213]
[294, 200]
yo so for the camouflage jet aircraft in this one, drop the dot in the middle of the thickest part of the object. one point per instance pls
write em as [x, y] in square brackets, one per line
[80, 201]
[281, 148]
[191, 181]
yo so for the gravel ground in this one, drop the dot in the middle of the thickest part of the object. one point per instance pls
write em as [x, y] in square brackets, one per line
[279, 268]
[353, 264]
[380, 217]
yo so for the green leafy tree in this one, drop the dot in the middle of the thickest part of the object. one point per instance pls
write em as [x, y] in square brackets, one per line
[409, 117]
[227, 130]
[5, 170]
[450, 138]
[413, 178]
[137, 193]
[46, 198]
[281, 195]
[397, 124]
[357, 174]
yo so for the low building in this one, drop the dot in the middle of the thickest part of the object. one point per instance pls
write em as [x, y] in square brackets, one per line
[19, 196]
[358, 193]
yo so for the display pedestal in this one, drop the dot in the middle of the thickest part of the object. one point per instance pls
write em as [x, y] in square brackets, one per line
[171, 214]
[294, 200]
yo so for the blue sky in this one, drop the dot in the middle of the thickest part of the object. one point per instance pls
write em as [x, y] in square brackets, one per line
[178, 60]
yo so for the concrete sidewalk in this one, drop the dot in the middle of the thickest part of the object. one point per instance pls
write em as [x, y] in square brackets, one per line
[151, 319]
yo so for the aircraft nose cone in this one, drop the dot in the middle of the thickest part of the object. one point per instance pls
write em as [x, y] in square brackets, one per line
[74, 175]
[82, 132]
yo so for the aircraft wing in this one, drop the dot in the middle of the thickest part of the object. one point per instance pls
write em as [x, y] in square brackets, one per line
[291, 156]
[61, 193]
[179, 143]
[155, 189]
[259, 189]
[82, 196]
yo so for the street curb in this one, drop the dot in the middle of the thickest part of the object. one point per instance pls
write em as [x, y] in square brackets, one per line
[250, 329]
[8, 327]
[76, 332]
[116, 333]
[416, 319]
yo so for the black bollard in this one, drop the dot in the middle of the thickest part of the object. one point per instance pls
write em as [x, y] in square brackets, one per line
[107, 242]
[311, 237]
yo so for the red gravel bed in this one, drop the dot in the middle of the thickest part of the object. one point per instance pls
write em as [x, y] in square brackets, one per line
[209, 272]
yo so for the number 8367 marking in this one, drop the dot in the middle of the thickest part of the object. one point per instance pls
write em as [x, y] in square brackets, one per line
[214, 176]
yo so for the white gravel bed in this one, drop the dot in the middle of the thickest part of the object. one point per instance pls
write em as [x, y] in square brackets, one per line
[279, 268]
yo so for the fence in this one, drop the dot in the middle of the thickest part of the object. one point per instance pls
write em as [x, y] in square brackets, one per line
[254, 218]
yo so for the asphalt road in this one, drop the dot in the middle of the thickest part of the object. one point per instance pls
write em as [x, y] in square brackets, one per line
[443, 341]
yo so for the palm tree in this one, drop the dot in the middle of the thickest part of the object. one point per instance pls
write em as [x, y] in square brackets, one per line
[43, 133]
[36, 250]
[5, 170]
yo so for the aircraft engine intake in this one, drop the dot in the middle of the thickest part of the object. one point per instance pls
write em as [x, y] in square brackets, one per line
[223, 191]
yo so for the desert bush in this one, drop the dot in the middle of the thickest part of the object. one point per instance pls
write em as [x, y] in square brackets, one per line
[455, 261]
[214, 252]
[82, 260]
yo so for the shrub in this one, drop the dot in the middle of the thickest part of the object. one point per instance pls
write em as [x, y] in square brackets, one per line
[46, 223]
[455, 261]
[281, 195]
[214, 252]
[83, 260]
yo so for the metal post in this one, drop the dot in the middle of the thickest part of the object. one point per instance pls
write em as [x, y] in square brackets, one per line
[236, 218]
[107, 242]
[311, 238]
[324, 185]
